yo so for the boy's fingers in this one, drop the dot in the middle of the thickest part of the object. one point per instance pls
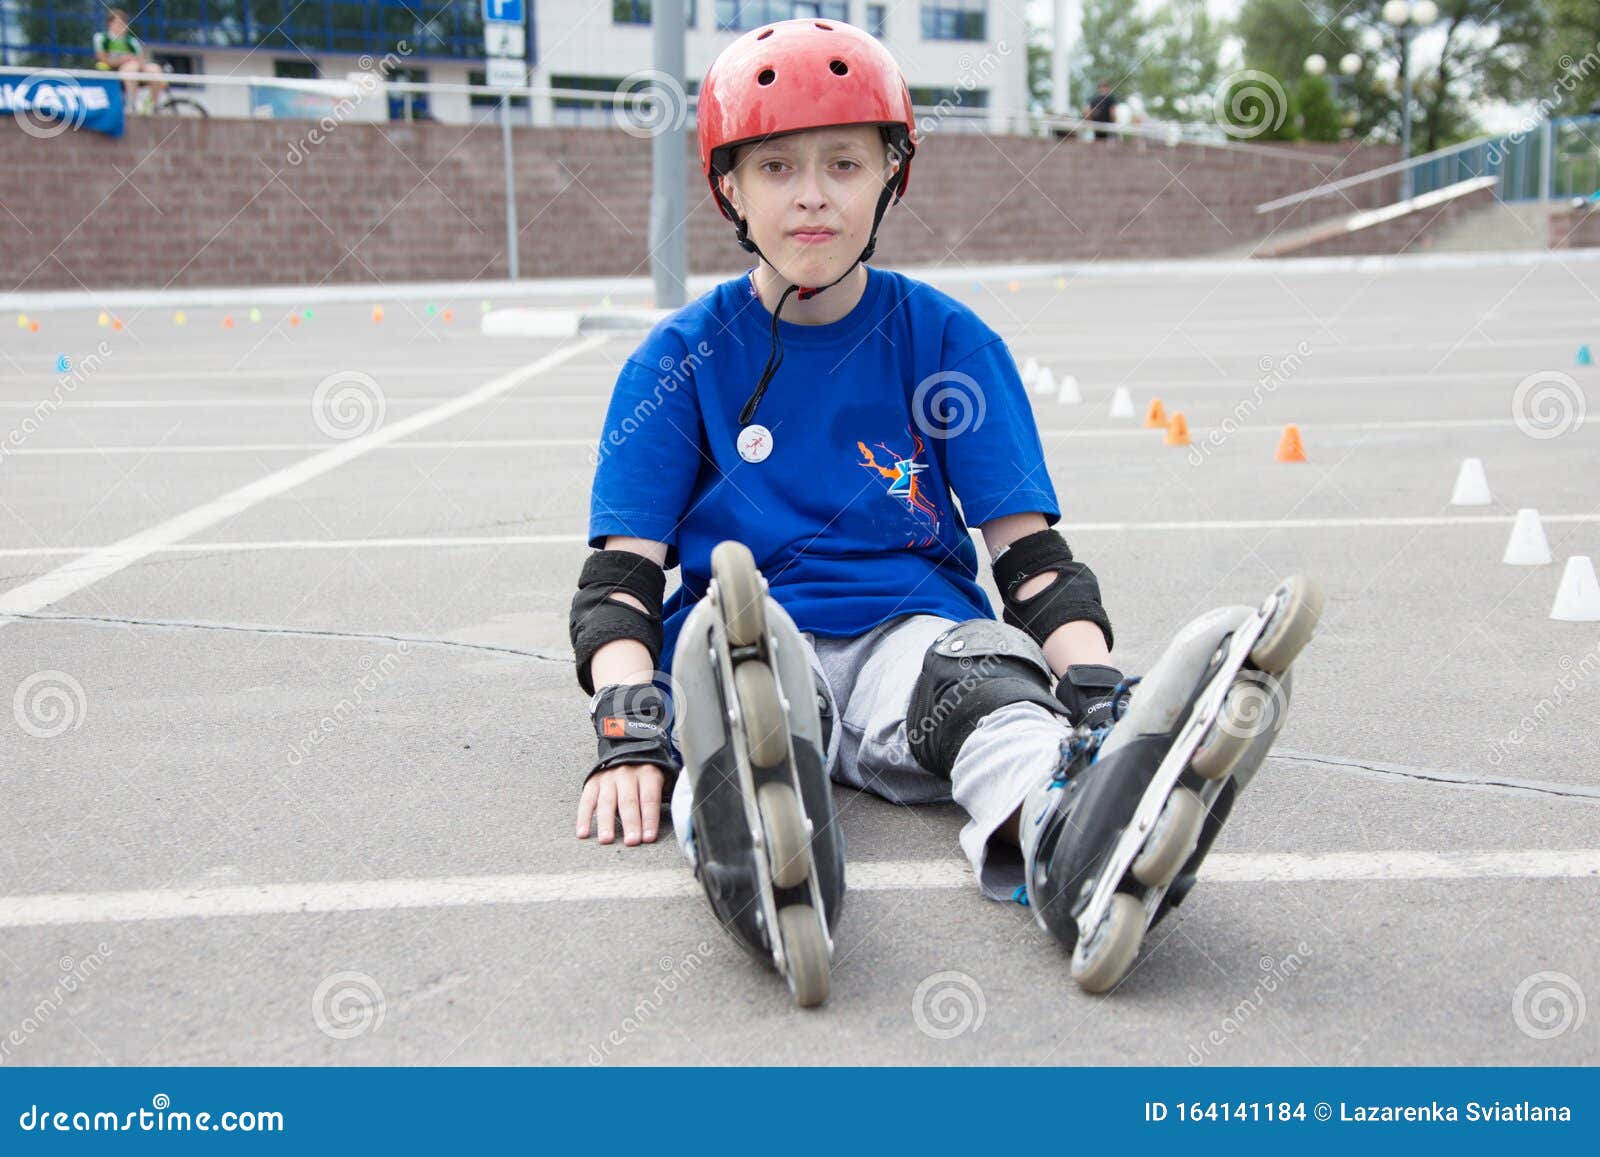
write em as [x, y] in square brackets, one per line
[628, 805]
[650, 782]
[586, 802]
[608, 807]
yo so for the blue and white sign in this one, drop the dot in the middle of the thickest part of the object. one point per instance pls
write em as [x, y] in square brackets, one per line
[504, 10]
[48, 103]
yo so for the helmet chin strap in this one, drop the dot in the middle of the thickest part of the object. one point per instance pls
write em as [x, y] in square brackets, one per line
[775, 357]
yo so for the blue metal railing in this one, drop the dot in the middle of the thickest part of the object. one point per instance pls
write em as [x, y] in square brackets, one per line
[1572, 168]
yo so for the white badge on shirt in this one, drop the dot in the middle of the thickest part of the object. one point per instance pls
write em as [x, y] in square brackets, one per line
[755, 443]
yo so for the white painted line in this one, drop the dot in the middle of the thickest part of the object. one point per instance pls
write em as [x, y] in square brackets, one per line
[656, 884]
[92, 567]
[202, 403]
[500, 540]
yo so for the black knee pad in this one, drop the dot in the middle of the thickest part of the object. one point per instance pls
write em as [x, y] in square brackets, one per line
[972, 669]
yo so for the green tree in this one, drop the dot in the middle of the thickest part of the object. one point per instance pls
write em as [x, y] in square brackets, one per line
[1114, 46]
[1320, 119]
[1572, 56]
[1179, 79]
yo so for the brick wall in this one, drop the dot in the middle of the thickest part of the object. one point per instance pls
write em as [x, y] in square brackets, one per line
[1575, 227]
[198, 203]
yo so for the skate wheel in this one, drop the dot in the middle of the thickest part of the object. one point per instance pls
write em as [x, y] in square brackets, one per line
[739, 592]
[1103, 959]
[1291, 627]
[805, 950]
[766, 727]
[788, 844]
[1173, 839]
[1236, 725]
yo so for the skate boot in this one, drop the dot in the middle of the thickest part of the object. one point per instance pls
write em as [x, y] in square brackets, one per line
[762, 832]
[1114, 840]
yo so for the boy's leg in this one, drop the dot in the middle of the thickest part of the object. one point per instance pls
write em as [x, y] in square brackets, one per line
[1011, 750]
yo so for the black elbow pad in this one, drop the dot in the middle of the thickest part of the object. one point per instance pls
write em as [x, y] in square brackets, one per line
[598, 619]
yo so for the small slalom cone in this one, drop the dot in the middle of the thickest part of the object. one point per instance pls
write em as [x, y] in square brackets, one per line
[22, 321]
[63, 363]
[33, 325]
[1585, 358]
[1290, 447]
[1527, 545]
[180, 318]
[105, 320]
[1061, 283]
[1177, 430]
[1155, 418]
[1472, 486]
[1045, 383]
[294, 320]
[308, 313]
[449, 316]
[1121, 403]
[227, 322]
[432, 309]
[1030, 371]
[116, 324]
[1013, 286]
[1578, 600]
[377, 313]
[483, 307]
[1067, 393]
[255, 315]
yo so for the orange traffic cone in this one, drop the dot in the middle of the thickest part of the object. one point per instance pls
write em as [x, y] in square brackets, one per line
[1290, 448]
[227, 322]
[1177, 430]
[1155, 418]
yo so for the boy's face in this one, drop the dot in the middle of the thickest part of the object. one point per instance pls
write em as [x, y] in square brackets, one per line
[809, 198]
[116, 25]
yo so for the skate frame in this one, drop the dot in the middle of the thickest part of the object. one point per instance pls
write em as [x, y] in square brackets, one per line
[1202, 717]
[722, 656]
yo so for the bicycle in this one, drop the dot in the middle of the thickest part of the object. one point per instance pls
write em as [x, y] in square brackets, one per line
[145, 103]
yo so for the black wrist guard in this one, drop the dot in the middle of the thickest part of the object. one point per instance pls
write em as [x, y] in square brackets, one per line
[633, 722]
[1086, 691]
[1072, 596]
[598, 619]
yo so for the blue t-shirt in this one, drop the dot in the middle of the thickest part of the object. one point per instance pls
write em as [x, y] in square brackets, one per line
[874, 420]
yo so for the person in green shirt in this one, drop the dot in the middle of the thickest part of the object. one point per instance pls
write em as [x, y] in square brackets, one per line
[117, 48]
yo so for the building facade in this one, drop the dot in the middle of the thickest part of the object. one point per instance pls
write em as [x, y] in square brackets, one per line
[965, 60]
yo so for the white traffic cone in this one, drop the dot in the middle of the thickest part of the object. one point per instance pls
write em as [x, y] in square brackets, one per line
[1067, 392]
[1578, 600]
[1122, 403]
[1044, 382]
[1527, 545]
[1030, 371]
[1472, 486]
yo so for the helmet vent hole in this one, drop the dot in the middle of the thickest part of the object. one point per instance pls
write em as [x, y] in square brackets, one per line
[766, 76]
[839, 67]
[824, 27]
[764, 33]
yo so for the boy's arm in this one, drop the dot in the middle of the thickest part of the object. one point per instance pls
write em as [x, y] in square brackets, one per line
[1072, 643]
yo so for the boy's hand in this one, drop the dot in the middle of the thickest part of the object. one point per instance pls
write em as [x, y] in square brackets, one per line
[631, 791]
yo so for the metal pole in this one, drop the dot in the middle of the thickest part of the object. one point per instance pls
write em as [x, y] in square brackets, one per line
[669, 245]
[1405, 110]
[511, 187]
[1547, 160]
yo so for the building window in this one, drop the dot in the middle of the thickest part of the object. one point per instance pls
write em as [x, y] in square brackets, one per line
[878, 20]
[956, 109]
[743, 15]
[409, 106]
[638, 12]
[955, 20]
[292, 69]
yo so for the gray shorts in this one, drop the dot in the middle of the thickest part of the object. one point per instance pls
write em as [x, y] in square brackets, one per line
[871, 676]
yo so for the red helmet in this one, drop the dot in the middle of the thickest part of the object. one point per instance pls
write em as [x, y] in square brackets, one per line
[801, 74]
